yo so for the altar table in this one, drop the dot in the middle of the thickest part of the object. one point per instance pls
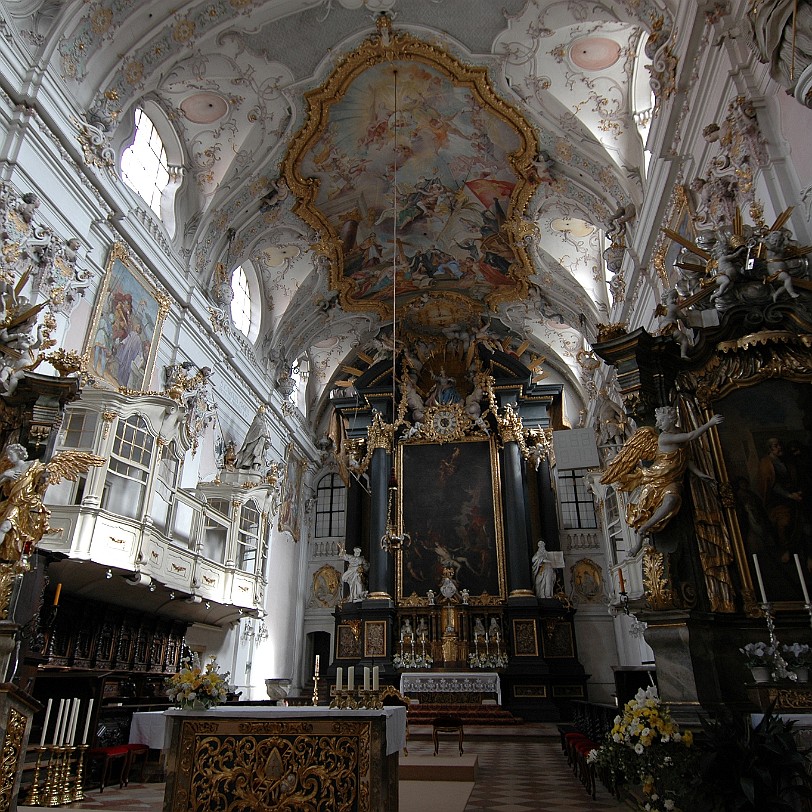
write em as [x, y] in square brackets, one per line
[455, 682]
[277, 757]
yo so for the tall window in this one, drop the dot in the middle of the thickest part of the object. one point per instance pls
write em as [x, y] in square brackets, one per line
[78, 431]
[241, 303]
[129, 467]
[144, 167]
[331, 498]
[248, 537]
[577, 506]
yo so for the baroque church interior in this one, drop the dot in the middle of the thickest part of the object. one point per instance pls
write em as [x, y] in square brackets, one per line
[460, 344]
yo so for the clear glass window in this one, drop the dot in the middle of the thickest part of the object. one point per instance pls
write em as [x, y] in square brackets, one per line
[241, 303]
[144, 167]
[164, 491]
[248, 537]
[577, 505]
[128, 470]
[78, 429]
[331, 500]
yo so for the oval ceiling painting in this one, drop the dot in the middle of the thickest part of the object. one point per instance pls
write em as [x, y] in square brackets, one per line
[410, 161]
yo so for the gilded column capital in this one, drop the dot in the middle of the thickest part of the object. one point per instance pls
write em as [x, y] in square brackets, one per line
[380, 434]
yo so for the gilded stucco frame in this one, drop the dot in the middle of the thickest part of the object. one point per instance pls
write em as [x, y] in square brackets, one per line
[490, 453]
[737, 365]
[111, 325]
[388, 47]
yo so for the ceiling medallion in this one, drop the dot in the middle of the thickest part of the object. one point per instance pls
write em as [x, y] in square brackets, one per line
[464, 160]
[204, 108]
[594, 53]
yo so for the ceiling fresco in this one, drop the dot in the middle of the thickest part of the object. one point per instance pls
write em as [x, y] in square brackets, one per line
[414, 164]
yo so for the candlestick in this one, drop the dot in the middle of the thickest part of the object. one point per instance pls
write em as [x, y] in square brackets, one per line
[57, 593]
[351, 678]
[366, 678]
[87, 721]
[376, 675]
[45, 723]
[760, 580]
[802, 579]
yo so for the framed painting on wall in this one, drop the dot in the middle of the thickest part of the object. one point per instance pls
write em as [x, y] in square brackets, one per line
[450, 505]
[126, 326]
[766, 441]
[290, 518]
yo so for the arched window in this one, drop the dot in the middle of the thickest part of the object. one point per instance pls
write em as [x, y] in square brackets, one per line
[241, 303]
[331, 498]
[129, 468]
[245, 306]
[144, 166]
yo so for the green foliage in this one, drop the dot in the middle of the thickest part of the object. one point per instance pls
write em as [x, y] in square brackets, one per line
[744, 769]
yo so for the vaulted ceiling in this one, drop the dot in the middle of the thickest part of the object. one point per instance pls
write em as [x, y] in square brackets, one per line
[480, 147]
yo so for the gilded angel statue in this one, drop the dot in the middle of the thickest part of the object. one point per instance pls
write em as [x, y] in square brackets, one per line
[23, 482]
[656, 465]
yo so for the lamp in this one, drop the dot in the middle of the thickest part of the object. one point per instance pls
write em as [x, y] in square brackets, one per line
[391, 541]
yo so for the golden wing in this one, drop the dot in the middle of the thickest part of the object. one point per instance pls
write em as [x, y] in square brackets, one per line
[624, 470]
[69, 464]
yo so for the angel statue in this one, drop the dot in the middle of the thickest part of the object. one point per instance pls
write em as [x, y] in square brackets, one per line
[656, 466]
[23, 482]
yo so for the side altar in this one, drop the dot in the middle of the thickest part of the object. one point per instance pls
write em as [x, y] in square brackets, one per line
[275, 757]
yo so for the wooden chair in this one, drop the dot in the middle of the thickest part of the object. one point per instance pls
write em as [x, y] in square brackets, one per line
[134, 752]
[108, 755]
[446, 724]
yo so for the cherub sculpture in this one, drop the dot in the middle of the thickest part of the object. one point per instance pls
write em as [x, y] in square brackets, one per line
[673, 323]
[23, 482]
[653, 467]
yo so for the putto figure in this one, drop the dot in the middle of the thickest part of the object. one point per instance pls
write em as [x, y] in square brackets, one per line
[654, 467]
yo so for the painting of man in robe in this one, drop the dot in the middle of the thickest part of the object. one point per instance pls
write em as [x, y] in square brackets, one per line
[766, 440]
[449, 510]
[125, 329]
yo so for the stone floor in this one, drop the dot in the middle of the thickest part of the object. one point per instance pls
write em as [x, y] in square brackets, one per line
[519, 770]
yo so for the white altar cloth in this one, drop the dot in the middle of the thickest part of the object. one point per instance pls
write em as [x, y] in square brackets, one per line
[152, 728]
[485, 682]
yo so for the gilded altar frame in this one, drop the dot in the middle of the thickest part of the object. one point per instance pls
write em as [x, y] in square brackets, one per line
[760, 385]
[450, 503]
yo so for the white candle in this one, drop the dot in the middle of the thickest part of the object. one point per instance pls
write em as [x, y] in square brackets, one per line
[75, 721]
[339, 674]
[74, 713]
[376, 675]
[801, 578]
[760, 581]
[317, 667]
[87, 721]
[366, 678]
[45, 723]
[55, 740]
[351, 678]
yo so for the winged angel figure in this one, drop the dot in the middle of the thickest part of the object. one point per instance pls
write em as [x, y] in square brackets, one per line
[23, 482]
[653, 466]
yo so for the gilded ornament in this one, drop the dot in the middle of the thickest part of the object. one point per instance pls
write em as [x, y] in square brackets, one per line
[658, 593]
[12, 749]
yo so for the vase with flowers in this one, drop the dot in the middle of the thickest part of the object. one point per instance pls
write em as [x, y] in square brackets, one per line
[759, 658]
[646, 748]
[194, 687]
[797, 657]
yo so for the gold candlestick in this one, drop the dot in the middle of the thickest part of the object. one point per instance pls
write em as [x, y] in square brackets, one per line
[78, 785]
[315, 690]
[33, 798]
[52, 794]
[66, 785]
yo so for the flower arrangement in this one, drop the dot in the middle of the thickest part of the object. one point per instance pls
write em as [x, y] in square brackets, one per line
[758, 654]
[193, 685]
[645, 747]
[796, 654]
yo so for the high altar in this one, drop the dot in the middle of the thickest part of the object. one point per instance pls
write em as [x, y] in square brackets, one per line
[472, 496]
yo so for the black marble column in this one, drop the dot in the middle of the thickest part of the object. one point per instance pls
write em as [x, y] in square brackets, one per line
[516, 543]
[381, 563]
